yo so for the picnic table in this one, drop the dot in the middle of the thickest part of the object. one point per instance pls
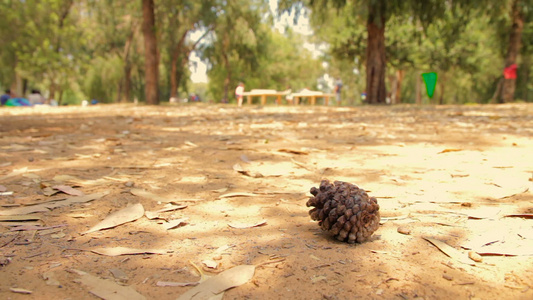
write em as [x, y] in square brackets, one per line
[263, 94]
[312, 95]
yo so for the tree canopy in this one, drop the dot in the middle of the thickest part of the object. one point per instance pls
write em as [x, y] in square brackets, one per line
[87, 49]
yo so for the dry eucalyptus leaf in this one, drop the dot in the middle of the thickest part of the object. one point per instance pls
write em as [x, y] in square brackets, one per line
[151, 215]
[170, 207]
[171, 283]
[63, 178]
[19, 218]
[231, 195]
[293, 151]
[68, 190]
[34, 227]
[175, 223]
[213, 286]
[244, 225]
[15, 172]
[117, 251]
[450, 251]
[20, 291]
[48, 191]
[450, 150]
[107, 289]
[210, 263]
[125, 215]
[44, 207]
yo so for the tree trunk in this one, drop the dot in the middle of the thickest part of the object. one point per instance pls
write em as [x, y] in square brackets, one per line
[498, 91]
[399, 79]
[127, 82]
[375, 53]
[151, 61]
[513, 49]
[52, 91]
[227, 81]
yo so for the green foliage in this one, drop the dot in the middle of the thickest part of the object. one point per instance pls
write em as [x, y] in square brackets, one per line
[87, 49]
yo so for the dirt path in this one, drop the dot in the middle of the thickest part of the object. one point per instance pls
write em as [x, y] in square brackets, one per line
[460, 175]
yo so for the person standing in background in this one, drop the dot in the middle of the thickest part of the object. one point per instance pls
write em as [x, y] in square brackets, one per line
[338, 89]
[239, 93]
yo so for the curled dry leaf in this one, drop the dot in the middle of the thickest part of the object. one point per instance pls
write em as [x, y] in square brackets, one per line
[450, 251]
[175, 223]
[128, 214]
[238, 194]
[170, 207]
[210, 263]
[116, 251]
[244, 225]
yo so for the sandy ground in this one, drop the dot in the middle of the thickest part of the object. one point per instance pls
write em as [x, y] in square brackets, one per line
[459, 176]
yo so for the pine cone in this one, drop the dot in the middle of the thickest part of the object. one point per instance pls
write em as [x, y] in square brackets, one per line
[344, 210]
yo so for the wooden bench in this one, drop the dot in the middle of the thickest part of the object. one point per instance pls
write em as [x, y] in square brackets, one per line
[263, 94]
[312, 95]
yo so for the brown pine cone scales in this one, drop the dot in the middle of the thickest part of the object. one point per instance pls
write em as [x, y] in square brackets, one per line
[344, 210]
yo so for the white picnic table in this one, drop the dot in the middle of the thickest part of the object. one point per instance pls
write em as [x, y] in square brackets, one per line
[305, 93]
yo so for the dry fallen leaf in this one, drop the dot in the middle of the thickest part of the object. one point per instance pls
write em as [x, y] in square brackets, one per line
[117, 251]
[20, 291]
[107, 289]
[68, 190]
[239, 169]
[20, 218]
[15, 172]
[44, 207]
[155, 214]
[128, 214]
[34, 227]
[293, 151]
[170, 283]
[210, 263]
[230, 195]
[450, 251]
[216, 285]
[450, 150]
[244, 225]
[175, 223]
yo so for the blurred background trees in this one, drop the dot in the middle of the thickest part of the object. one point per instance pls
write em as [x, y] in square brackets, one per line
[96, 49]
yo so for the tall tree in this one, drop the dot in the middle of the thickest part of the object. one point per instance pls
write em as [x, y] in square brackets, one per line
[375, 52]
[178, 21]
[151, 54]
[513, 48]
